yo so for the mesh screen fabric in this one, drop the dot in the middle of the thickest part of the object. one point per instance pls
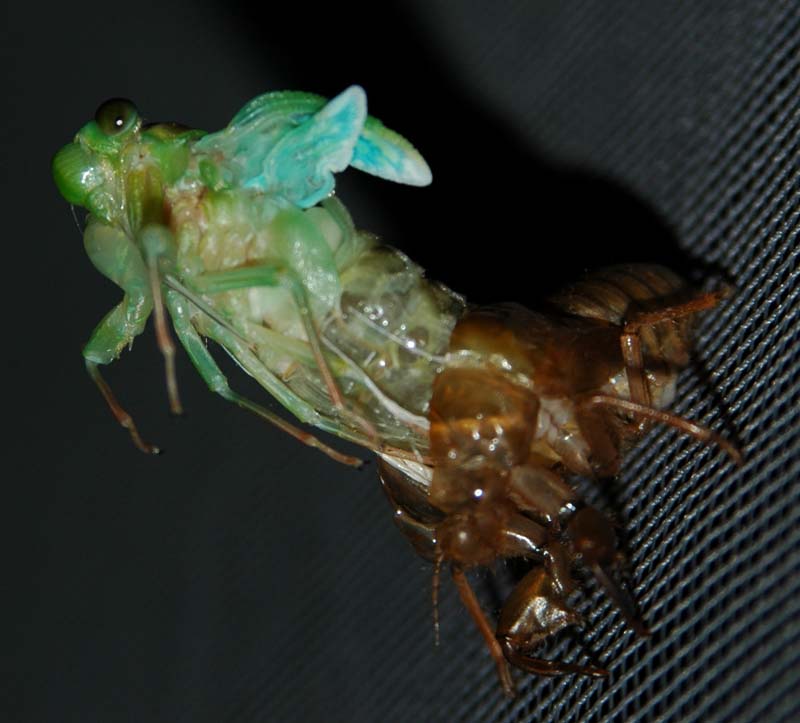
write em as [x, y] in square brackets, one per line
[704, 124]
[701, 118]
[242, 579]
[696, 111]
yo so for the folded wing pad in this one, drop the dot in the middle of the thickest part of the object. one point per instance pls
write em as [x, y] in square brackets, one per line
[292, 144]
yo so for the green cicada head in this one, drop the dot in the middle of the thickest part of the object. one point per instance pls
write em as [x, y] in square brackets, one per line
[117, 166]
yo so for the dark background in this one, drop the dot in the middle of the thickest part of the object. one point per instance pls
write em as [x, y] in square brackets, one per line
[243, 577]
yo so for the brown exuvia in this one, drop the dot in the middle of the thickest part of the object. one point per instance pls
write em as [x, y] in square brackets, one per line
[525, 401]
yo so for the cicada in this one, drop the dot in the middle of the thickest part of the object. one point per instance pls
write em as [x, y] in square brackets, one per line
[479, 416]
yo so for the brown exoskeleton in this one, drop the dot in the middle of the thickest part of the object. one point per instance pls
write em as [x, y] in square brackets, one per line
[524, 401]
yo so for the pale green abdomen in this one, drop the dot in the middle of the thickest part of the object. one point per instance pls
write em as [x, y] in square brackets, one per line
[395, 325]
[385, 342]
[383, 335]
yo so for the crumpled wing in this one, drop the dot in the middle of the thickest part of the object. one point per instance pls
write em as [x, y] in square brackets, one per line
[292, 143]
[300, 166]
[382, 152]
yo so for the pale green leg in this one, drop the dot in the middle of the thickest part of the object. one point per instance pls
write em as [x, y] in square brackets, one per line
[214, 282]
[247, 277]
[117, 258]
[160, 252]
[218, 383]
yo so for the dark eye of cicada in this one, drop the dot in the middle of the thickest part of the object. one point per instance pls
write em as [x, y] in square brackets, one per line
[116, 116]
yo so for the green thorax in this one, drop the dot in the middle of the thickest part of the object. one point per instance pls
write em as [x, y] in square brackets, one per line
[244, 222]
[120, 173]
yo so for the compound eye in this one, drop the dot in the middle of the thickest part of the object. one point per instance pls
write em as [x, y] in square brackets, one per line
[116, 116]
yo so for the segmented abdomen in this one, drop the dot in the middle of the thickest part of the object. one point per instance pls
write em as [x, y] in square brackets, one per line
[512, 394]
[394, 325]
[385, 343]
[611, 294]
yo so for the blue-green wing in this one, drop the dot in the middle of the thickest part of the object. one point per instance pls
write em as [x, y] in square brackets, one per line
[385, 153]
[300, 166]
[292, 143]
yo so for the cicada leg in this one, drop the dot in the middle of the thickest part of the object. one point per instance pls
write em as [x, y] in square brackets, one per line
[472, 605]
[250, 276]
[122, 416]
[117, 258]
[534, 611]
[541, 491]
[214, 328]
[640, 402]
[593, 538]
[215, 282]
[159, 247]
[218, 383]
[303, 307]
[417, 520]
[687, 426]
[631, 343]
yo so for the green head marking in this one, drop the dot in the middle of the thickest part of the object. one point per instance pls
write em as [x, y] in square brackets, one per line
[83, 170]
[116, 165]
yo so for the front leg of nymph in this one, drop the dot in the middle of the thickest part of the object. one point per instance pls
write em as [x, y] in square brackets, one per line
[117, 258]
[413, 512]
[594, 541]
[535, 610]
[575, 531]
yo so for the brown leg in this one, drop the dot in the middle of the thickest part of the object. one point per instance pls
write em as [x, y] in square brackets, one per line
[473, 607]
[534, 611]
[435, 584]
[702, 302]
[594, 539]
[164, 339]
[299, 434]
[304, 309]
[703, 434]
[119, 413]
[631, 343]
[538, 666]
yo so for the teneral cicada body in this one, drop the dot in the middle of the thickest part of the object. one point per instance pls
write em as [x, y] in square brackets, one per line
[478, 416]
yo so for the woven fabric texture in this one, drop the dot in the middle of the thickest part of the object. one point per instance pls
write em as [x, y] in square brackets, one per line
[243, 577]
